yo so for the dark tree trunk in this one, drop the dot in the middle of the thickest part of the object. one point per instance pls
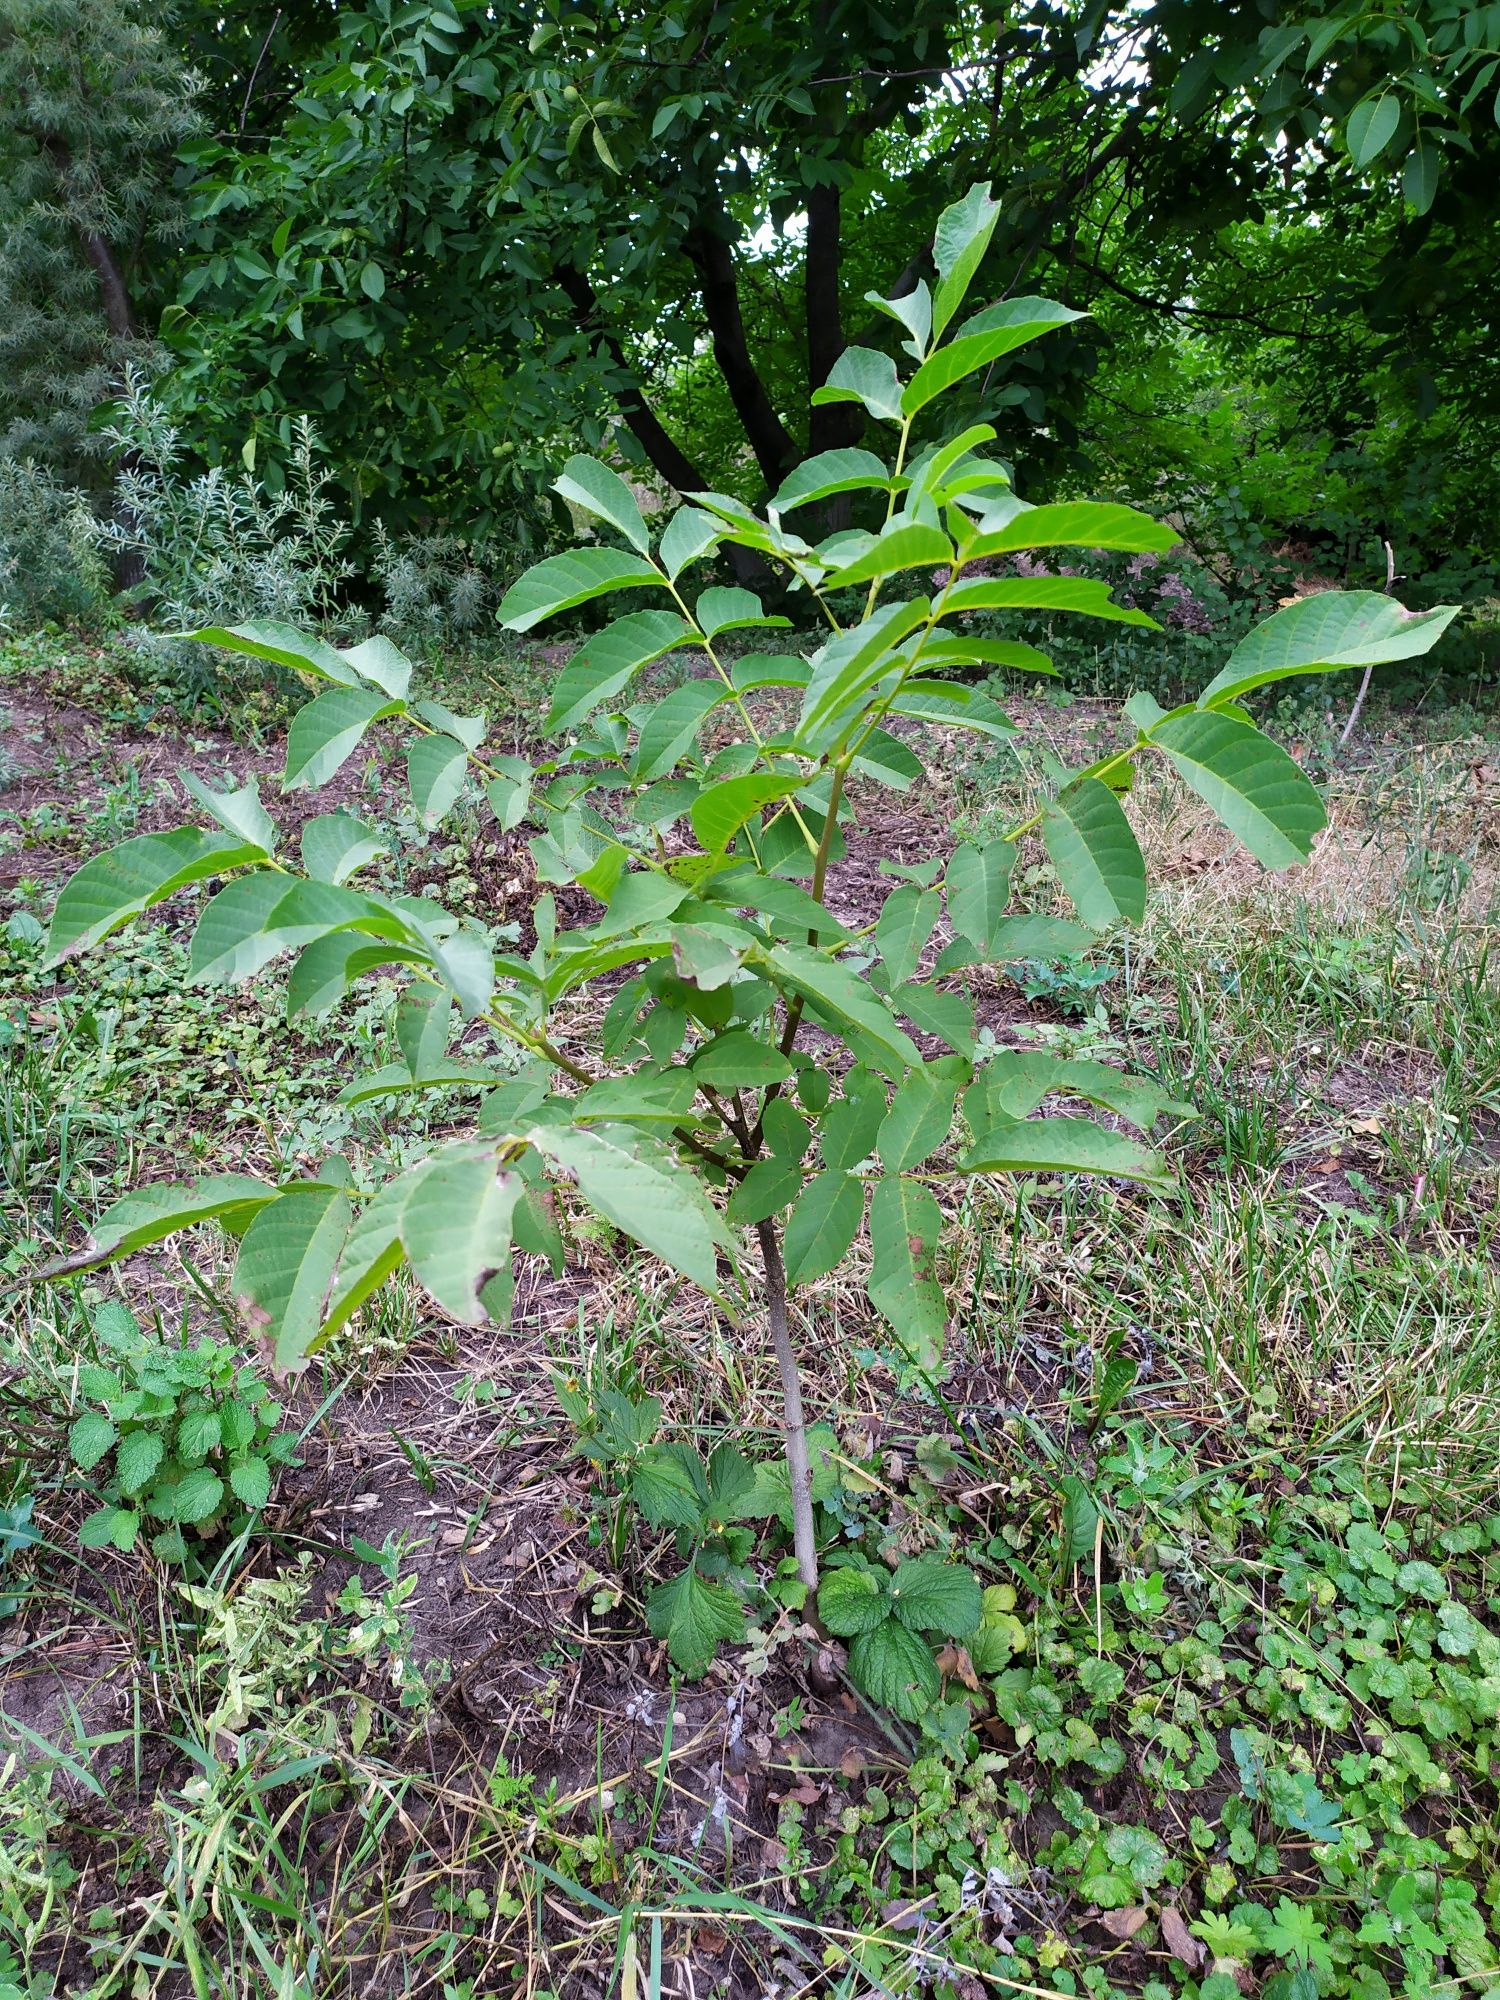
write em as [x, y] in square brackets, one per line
[829, 425]
[650, 433]
[713, 259]
[660, 447]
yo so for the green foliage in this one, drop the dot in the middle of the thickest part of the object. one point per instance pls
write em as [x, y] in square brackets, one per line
[50, 564]
[728, 950]
[172, 1439]
[94, 100]
[210, 546]
[889, 1619]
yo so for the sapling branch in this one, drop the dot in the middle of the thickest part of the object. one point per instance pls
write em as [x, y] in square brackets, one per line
[794, 1427]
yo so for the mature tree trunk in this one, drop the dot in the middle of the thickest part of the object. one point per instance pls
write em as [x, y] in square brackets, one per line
[650, 433]
[709, 247]
[660, 447]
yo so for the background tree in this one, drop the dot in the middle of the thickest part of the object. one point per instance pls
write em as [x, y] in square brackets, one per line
[94, 102]
[409, 221]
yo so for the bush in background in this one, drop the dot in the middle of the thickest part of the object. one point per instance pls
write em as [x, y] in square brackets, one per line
[206, 543]
[52, 566]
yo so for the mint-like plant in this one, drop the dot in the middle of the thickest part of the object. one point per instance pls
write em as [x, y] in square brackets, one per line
[889, 1618]
[755, 1070]
[180, 1442]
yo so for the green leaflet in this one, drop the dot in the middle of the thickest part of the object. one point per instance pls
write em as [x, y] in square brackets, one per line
[932, 1596]
[286, 1266]
[905, 924]
[635, 1183]
[557, 583]
[239, 811]
[895, 1669]
[729, 609]
[672, 725]
[823, 1224]
[456, 1226]
[976, 884]
[1096, 854]
[326, 733]
[770, 1186]
[610, 660]
[900, 545]
[596, 489]
[919, 1119]
[1073, 524]
[137, 1220]
[962, 236]
[740, 1060]
[863, 375]
[436, 767]
[1043, 593]
[115, 886]
[721, 810]
[905, 1223]
[1062, 1145]
[1333, 629]
[1249, 781]
[285, 646]
[693, 1616]
[688, 535]
[337, 845]
[842, 992]
[846, 470]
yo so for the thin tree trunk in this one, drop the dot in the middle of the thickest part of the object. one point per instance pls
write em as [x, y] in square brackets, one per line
[1364, 686]
[793, 1423]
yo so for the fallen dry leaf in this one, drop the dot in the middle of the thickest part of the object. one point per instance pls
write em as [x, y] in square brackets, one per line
[1178, 1939]
[1123, 1923]
[953, 1662]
